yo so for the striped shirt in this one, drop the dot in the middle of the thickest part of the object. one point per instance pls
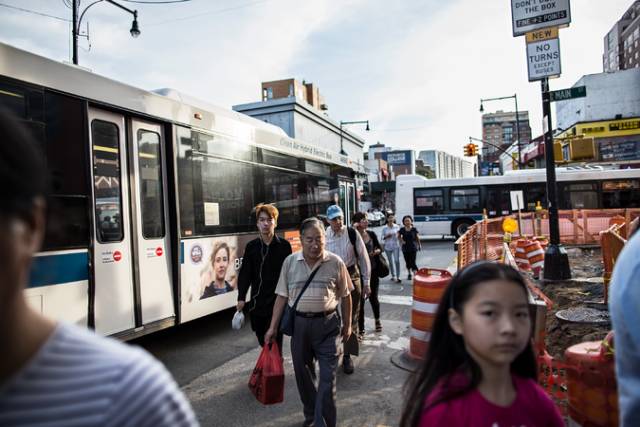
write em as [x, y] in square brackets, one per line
[80, 379]
[339, 244]
[330, 283]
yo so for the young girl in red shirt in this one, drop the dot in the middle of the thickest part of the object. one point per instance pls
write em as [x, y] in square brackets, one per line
[480, 369]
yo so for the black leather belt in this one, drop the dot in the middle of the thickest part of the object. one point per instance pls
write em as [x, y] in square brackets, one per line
[312, 314]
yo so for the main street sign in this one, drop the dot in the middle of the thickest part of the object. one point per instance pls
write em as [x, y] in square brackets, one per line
[531, 15]
[543, 59]
[564, 94]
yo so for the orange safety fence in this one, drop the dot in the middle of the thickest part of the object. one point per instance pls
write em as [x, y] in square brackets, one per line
[483, 240]
[612, 243]
[609, 228]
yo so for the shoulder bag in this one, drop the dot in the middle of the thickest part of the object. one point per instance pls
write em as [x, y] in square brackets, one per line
[289, 314]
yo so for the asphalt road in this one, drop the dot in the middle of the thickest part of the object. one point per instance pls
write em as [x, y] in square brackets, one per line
[212, 363]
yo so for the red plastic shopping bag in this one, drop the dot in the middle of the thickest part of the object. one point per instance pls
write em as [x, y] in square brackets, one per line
[267, 379]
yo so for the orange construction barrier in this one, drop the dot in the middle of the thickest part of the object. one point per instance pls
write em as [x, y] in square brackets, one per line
[428, 286]
[535, 256]
[521, 255]
[591, 383]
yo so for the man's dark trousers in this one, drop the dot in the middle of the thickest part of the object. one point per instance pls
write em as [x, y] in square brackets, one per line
[316, 337]
[260, 325]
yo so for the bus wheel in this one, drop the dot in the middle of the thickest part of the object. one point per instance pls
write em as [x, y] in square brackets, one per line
[461, 227]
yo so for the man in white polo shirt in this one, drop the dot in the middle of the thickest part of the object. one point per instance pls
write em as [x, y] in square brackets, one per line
[347, 243]
[317, 326]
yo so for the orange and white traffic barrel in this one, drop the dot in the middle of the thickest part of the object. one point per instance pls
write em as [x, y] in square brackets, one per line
[535, 256]
[521, 256]
[428, 286]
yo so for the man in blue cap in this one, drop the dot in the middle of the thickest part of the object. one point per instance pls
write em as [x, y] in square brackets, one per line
[348, 245]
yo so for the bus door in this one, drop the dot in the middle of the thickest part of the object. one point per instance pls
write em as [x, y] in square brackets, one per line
[347, 200]
[150, 237]
[113, 270]
[132, 281]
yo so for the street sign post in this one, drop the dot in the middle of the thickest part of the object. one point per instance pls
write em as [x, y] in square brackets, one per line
[531, 15]
[537, 18]
[543, 59]
[564, 94]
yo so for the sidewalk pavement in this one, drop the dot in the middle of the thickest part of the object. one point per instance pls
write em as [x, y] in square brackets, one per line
[372, 396]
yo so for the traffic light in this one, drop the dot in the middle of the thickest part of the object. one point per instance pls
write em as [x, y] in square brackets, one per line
[470, 150]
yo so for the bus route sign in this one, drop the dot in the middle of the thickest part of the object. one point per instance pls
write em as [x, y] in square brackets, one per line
[531, 15]
[564, 94]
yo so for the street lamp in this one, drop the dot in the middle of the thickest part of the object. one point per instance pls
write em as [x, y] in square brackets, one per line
[342, 152]
[515, 97]
[135, 29]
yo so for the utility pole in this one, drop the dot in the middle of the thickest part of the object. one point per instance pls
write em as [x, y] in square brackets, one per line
[556, 260]
[74, 31]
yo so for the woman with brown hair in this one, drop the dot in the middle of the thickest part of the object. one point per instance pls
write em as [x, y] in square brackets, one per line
[219, 263]
[374, 249]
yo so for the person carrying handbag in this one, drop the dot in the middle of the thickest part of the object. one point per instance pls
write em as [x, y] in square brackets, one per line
[374, 249]
[317, 327]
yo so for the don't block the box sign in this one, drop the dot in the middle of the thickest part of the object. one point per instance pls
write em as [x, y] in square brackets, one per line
[531, 15]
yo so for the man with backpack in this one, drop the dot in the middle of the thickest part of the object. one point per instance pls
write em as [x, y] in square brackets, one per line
[348, 245]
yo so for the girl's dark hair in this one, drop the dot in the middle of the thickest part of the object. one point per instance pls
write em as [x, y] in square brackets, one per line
[22, 168]
[358, 216]
[447, 353]
[407, 216]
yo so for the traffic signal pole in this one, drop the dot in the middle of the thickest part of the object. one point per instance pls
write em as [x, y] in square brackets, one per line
[556, 260]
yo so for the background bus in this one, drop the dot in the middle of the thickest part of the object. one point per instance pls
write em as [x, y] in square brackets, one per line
[146, 187]
[449, 206]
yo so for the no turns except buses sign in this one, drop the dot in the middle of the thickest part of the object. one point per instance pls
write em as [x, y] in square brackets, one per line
[543, 59]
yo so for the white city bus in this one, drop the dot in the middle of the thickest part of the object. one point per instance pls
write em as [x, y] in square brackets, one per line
[449, 206]
[145, 187]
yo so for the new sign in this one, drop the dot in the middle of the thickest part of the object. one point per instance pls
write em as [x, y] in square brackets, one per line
[531, 15]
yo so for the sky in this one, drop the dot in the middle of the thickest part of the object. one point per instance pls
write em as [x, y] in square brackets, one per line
[415, 69]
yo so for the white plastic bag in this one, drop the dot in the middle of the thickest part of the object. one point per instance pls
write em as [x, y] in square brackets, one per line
[238, 320]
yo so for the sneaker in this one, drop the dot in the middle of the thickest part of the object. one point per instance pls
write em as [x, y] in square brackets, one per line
[398, 280]
[347, 365]
[393, 278]
[378, 326]
[409, 276]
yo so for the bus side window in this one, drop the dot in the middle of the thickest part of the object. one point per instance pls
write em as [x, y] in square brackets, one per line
[428, 202]
[581, 196]
[498, 201]
[621, 194]
[467, 199]
[534, 194]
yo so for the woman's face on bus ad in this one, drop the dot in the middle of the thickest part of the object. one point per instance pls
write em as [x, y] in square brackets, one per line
[220, 264]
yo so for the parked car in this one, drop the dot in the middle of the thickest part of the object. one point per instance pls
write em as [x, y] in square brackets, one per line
[379, 216]
[371, 218]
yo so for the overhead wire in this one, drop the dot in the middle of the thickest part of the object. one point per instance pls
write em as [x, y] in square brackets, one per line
[213, 12]
[156, 2]
[34, 12]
